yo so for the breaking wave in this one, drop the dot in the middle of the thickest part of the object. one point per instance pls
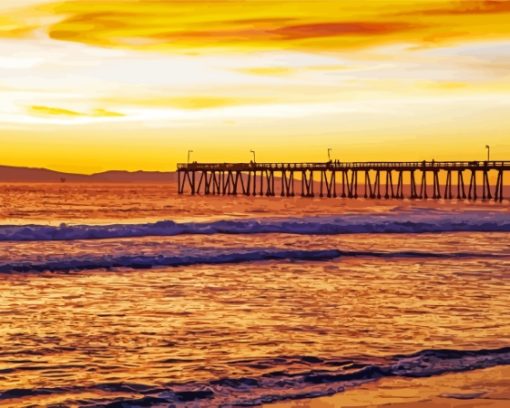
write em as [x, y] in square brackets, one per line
[321, 377]
[415, 222]
[234, 255]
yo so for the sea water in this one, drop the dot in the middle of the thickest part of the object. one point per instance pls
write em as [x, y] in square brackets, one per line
[125, 295]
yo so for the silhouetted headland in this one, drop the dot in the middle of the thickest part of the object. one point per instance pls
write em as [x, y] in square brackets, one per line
[11, 174]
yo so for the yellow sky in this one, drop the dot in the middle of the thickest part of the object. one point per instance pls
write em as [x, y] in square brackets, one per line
[89, 85]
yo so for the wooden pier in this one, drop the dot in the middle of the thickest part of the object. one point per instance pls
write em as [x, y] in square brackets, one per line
[389, 180]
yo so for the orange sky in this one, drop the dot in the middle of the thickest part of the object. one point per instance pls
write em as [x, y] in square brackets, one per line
[89, 85]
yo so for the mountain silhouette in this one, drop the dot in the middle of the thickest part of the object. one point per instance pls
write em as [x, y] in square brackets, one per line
[11, 174]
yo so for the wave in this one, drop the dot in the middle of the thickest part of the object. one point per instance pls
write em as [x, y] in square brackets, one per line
[425, 221]
[150, 261]
[195, 256]
[322, 377]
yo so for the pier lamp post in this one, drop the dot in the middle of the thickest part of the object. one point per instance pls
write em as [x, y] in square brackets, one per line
[189, 155]
[253, 152]
[488, 152]
[329, 153]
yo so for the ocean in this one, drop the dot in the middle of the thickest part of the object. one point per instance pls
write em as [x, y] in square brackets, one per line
[130, 295]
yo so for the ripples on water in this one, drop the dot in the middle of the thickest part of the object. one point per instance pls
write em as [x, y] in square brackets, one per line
[266, 329]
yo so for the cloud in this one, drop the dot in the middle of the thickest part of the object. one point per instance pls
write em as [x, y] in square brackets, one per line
[103, 113]
[16, 32]
[467, 7]
[12, 27]
[52, 111]
[41, 110]
[342, 28]
[267, 71]
[200, 25]
[196, 102]
[283, 71]
[203, 102]
[291, 32]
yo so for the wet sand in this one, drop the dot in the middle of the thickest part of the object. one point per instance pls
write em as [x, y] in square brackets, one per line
[487, 388]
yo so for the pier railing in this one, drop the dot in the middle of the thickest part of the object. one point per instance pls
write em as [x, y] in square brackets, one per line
[493, 164]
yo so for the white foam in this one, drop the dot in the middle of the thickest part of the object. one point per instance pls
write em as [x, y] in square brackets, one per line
[424, 221]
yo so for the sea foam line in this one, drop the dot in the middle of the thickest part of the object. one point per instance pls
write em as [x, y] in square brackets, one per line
[195, 256]
[318, 380]
[415, 222]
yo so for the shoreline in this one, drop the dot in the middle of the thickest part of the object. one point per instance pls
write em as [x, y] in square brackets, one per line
[487, 388]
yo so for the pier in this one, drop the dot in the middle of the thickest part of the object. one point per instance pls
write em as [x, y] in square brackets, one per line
[463, 180]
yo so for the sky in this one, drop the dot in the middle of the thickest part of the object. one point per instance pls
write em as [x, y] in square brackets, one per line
[92, 85]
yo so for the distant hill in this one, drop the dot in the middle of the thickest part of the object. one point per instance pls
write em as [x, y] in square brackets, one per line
[11, 174]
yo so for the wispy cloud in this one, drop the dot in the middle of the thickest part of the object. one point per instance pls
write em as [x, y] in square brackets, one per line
[268, 71]
[466, 7]
[199, 25]
[51, 111]
[55, 111]
[192, 102]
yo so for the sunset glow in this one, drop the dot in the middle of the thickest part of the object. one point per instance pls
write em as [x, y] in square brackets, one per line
[90, 85]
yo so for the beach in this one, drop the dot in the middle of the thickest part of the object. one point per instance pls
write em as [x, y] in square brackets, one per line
[489, 388]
